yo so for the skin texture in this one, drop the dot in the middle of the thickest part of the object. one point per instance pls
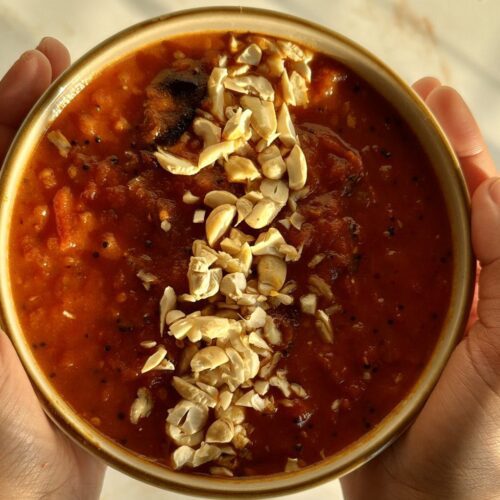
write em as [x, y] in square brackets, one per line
[451, 451]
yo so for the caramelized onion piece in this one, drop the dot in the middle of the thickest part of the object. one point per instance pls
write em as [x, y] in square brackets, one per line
[171, 101]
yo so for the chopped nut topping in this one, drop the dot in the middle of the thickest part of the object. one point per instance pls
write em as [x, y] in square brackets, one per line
[285, 223]
[336, 405]
[251, 55]
[324, 325]
[298, 390]
[228, 361]
[275, 190]
[174, 164]
[279, 381]
[221, 431]
[275, 65]
[290, 50]
[269, 243]
[208, 358]
[263, 118]
[244, 208]
[296, 220]
[268, 367]
[319, 286]
[215, 90]
[218, 222]
[207, 130]
[295, 196]
[154, 360]
[299, 89]
[272, 274]
[257, 85]
[291, 253]
[308, 303]
[57, 138]
[252, 400]
[193, 393]
[199, 216]
[188, 416]
[297, 168]
[273, 165]
[181, 438]
[147, 278]
[142, 406]
[303, 69]
[182, 456]
[238, 70]
[215, 152]
[206, 453]
[196, 328]
[271, 331]
[292, 465]
[173, 316]
[233, 285]
[317, 259]
[203, 282]
[148, 344]
[234, 44]
[287, 89]
[241, 169]
[286, 129]
[190, 199]
[261, 387]
[165, 225]
[263, 213]
[221, 471]
[238, 126]
[255, 340]
[215, 198]
[257, 319]
[165, 365]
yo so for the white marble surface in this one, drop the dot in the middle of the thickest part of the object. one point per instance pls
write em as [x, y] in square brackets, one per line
[456, 40]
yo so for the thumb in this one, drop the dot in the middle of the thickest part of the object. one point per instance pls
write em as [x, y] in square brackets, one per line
[484, 339]
[486, 222]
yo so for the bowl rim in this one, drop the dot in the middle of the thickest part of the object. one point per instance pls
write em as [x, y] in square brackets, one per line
[370, 444]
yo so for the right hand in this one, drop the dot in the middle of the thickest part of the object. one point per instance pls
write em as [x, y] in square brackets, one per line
[452, 451]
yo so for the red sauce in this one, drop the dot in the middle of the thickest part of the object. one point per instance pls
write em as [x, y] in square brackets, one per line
[85, 225]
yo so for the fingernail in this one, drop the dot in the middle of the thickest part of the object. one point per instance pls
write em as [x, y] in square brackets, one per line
[42, 43]
[28, 71]
[29, 60]
[495, 190]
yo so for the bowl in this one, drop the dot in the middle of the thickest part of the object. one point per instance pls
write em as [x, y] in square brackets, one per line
[388, 84]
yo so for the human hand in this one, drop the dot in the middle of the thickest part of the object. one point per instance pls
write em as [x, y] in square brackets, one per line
[36, 460]
[452, 451]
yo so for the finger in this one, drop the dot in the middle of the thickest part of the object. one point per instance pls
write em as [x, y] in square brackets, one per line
[6, 136]
[463, 132]
[425, 86]
[56, 53]
[23, 84]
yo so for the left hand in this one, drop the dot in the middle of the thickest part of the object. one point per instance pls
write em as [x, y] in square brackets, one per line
[36, 459]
